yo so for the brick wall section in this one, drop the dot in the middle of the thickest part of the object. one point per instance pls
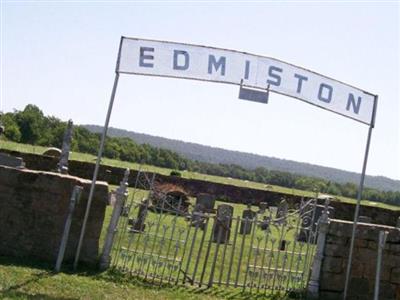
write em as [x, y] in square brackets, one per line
[362, 283]
[230, 193]
[33, 210]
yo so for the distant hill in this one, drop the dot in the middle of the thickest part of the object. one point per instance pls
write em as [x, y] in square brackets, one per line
[251, 161]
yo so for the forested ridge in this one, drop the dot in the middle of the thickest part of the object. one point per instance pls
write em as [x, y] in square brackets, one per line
[31, 126]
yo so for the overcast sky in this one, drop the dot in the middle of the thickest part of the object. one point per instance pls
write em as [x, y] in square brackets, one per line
[61, 56]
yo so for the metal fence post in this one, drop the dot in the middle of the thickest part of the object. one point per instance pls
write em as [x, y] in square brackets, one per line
[381, 245]
[121, 195]
[323, 224]
[76, 193]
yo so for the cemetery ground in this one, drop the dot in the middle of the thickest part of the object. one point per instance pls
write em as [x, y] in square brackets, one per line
[185, 174]
[29, 279]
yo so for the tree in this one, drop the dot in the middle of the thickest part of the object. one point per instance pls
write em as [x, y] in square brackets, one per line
[12, 131]
[30, 123]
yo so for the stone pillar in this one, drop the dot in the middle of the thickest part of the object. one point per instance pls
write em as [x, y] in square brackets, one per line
[223, 221]
[62, 166]
[323, 224]
[121, 194]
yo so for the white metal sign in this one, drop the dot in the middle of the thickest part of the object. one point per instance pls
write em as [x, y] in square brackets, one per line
[158, 58]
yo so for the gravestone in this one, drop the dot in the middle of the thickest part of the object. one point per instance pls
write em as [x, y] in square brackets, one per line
[53, 152]
[206, 202]
[62, 166]
[198, 217]
[263, 207]
[309, 222]
[112, 198]
[282, 212]
[139, 223]
[223, 222]
[265, 223]
[246, 223]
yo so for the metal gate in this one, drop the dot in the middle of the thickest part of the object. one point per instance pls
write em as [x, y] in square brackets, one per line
[164, 242]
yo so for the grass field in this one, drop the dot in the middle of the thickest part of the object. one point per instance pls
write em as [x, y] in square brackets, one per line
[191, 175]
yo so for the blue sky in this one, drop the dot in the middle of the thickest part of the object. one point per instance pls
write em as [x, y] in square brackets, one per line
[61, 56]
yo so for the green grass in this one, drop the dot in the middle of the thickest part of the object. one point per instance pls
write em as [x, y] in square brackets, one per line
[26, 279]
[190, 175]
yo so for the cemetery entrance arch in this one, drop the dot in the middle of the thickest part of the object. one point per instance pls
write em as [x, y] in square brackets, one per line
[256, 75]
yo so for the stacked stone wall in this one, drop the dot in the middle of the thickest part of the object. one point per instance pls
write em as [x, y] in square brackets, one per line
[193, 187]
[362, 282]
[33, 210]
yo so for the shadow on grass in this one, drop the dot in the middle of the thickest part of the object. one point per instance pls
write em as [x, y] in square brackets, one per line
[220, 292]
[121, 278]
[83, 269]
[19, 295]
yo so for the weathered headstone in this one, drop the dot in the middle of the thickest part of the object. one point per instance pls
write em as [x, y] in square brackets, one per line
[112, 198]
[197, 219]
[223, 222]
[282, 211]
[263, 207]
[265, 223]
[247, 221]
[53, 152]
[309, 221]
[62, 166]
[139, 223]
[206, 202]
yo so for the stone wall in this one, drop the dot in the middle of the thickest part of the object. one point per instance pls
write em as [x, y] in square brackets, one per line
[33, 210]
[362, 283]
[230, 193]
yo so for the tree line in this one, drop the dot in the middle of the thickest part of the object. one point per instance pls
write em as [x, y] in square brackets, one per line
[31, 126]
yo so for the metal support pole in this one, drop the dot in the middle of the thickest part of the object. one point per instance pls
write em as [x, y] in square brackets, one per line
[359, 195]
[381, 245]
[121, 195]
[96, 170]
[76, 193]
